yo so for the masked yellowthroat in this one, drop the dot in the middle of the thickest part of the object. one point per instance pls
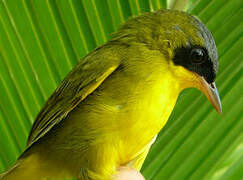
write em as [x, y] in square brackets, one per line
[108, 110]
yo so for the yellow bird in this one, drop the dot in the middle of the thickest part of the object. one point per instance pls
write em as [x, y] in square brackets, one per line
[108, 110]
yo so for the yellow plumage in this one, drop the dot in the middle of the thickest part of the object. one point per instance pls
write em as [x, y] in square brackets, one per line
[109, 109]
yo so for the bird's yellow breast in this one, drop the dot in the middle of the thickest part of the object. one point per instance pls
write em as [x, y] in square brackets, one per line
[132, 111]
[147, 114]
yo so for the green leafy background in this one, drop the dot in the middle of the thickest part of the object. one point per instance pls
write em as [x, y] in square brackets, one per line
[41, 40]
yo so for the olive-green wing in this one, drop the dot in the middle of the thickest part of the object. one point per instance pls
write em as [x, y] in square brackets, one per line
[78, 84]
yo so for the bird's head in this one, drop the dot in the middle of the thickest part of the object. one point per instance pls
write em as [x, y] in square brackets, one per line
[186, 44]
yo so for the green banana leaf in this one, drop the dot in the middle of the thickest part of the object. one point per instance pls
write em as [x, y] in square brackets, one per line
[41, 40]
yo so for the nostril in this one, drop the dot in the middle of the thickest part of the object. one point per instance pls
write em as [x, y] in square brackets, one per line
[212, 85]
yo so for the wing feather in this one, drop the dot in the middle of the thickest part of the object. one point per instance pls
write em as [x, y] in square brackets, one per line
[78, 84]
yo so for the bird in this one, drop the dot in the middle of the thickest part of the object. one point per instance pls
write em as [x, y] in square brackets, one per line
[108, 110]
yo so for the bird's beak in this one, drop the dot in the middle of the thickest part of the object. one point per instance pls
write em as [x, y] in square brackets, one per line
[210, 90]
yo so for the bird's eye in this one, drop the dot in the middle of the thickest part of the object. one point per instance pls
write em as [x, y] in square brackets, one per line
[197, 55]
